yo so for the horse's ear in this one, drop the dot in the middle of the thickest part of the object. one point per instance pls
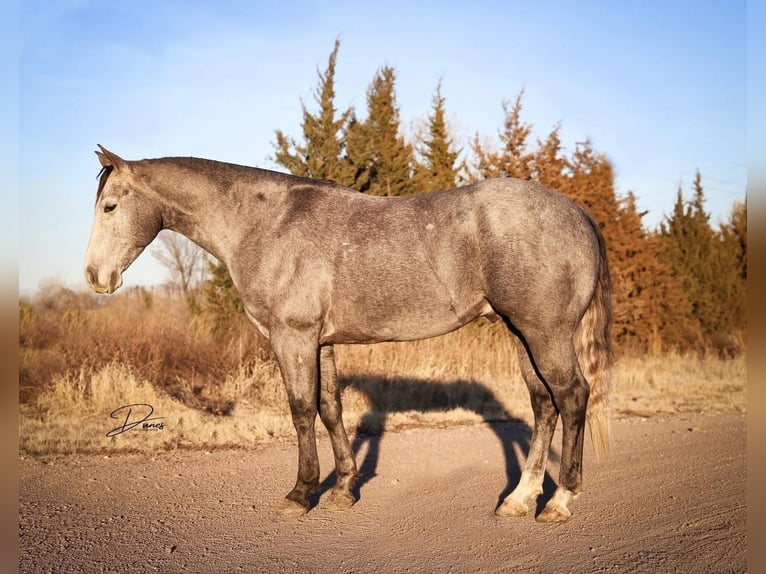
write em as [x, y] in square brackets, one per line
[109, 159]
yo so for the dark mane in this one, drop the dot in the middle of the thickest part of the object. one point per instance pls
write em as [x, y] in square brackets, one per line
[102, 177]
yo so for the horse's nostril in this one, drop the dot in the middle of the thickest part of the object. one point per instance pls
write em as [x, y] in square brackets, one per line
[90, 275]
[114, 281]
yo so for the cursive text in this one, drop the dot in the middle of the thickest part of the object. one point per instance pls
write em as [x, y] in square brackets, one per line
[137, 415]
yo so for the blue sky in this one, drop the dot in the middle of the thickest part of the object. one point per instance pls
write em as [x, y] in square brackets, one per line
[659, 86]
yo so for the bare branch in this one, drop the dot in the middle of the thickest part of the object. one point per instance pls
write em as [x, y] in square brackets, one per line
[184, 260]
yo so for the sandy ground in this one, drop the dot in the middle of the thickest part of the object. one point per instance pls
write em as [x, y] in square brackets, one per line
[671, 498]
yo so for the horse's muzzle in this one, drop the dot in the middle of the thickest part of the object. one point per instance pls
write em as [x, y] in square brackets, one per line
[114, 282]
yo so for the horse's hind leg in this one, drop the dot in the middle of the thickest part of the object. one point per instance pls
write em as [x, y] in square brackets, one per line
[556, 362]
[531, 482]
[330, 411]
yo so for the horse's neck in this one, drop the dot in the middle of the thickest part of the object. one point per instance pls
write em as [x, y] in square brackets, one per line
[203, 214]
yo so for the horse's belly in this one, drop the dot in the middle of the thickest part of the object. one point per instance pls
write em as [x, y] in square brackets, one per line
[400, 320]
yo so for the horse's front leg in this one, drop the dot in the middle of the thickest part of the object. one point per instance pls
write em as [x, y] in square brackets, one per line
[297, 355]
[331, 413]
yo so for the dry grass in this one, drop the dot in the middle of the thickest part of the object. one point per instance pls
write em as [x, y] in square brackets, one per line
[80, 361]
[156, 338]
[650, 385]
[72, 415]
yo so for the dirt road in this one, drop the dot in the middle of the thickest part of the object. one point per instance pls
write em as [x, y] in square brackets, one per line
[672, 498]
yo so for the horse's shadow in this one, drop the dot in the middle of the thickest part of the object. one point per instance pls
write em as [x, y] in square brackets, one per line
[402, 394]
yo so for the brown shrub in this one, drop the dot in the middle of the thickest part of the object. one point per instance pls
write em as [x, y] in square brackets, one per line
[160, 342]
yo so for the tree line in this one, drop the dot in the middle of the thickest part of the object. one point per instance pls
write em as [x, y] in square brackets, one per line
[680, 287]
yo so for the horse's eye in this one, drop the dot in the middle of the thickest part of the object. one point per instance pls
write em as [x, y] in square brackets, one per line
[109, 207]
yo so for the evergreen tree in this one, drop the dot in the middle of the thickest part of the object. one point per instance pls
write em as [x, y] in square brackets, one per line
[382, 158]
[438, 168]
[689, 245]
[734, 237]
[223, 305]
[730, 287]
[626, 268]
[359, 154]
[513, 159]
[651, 309]
[669, 307]
[592, 186]
[321, 155]
[551, 167]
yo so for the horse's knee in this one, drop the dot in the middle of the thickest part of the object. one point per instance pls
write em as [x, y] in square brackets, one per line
[303, 414]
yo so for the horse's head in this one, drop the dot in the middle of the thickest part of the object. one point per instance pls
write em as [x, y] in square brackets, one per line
[126, 220]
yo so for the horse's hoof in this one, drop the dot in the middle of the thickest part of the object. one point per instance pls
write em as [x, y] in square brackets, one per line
[291, 508]
[552, 514]
[511, 508]
[339, 501]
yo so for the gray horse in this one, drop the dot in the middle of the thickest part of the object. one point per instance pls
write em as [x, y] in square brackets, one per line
[318, 264]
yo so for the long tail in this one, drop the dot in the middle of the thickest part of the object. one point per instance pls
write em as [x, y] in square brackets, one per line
[594, 350]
